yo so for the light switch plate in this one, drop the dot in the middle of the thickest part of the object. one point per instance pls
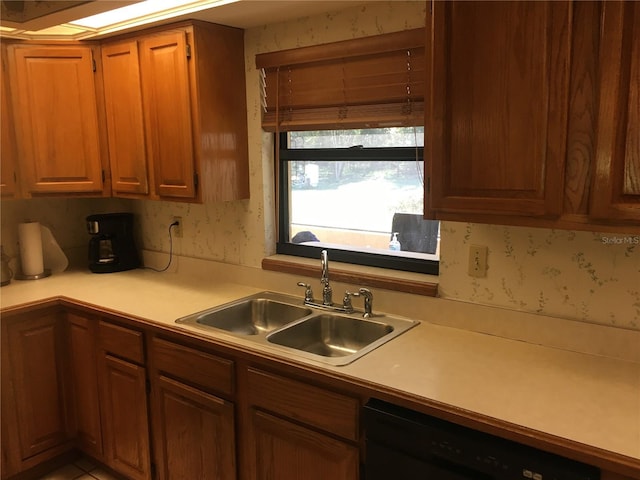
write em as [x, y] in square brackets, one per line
[477, 261]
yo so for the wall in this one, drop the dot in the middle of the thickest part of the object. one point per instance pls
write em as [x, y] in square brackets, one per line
[593, 277]
[576, 275]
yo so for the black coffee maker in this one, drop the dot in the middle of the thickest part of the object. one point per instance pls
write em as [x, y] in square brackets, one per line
[112, 248]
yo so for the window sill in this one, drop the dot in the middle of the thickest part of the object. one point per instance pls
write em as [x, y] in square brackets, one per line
[407, 282]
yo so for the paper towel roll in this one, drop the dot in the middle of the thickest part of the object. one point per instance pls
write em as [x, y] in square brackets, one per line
[30, 240]
[53, 256]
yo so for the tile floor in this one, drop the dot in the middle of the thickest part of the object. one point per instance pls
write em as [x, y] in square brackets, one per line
[81, 469]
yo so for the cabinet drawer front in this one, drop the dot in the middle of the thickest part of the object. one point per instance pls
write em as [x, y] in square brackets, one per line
[308, 404]
[193, 366]
[122, 342]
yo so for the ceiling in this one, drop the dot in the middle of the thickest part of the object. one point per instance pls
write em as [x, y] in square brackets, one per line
[51, 19]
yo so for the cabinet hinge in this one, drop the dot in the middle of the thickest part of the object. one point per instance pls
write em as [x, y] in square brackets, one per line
[195, 180]
[104, 176]
[428, 179]
[188, 51]
[153, 470]
[147, 385]
[93, 63]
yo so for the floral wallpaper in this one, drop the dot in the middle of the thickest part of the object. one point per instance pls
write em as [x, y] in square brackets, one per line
[584, 276]
[593, 277]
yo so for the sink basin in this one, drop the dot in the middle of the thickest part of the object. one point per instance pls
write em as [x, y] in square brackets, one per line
[249, 316]
[331, 335]
[282, 322]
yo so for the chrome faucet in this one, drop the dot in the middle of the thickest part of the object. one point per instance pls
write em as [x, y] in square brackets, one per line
[327, 292]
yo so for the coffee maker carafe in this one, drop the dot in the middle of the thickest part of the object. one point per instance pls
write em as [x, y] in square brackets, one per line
[112, 247]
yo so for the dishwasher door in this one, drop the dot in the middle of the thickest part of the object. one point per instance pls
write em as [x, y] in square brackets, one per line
[403, 444]
[385, 463]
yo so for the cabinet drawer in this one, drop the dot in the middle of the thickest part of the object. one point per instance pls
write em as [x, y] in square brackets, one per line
[193, 366]
[314, 406]
[121, 341]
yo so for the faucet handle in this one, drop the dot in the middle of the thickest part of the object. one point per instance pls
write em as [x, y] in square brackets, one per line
[308, 293]
[346, 301]
[368, 302]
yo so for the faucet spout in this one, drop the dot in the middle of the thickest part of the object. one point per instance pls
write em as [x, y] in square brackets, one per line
[327, 292]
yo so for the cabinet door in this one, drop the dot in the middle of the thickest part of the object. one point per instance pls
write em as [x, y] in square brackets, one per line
[83, 373]
[125, 418]
[496, 110]
[167, 108]
[616, 187]
[195, 434]
[57, 119]
[37, 364]
[285, 451]
[125, 126]
[8, 154]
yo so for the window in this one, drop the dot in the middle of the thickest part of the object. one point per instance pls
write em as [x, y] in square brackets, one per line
[348, 121]
[349, 190]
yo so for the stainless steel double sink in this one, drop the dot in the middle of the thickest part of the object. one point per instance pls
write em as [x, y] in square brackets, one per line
[284, 322]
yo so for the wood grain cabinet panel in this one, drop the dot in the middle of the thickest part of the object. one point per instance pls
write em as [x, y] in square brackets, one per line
[191, 113]
[616, 186]
[123, 401]
[286, 451]
[84, 381]
[56, 114]
[204, 370]
[37, 362]
[125, 125]
[287, 419]
[8, 148]
[496, 115]
[167, 107]
[194, 434]
[315, 406]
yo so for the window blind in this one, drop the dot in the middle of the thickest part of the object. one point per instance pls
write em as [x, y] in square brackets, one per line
[368, 82]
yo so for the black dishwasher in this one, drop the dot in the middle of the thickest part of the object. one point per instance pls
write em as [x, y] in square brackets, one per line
[406, 445]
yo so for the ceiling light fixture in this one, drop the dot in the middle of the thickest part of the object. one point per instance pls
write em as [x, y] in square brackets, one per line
[145, 12]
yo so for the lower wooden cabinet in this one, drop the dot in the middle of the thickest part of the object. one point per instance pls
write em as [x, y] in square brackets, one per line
[157, 408]
[36, 413]
[125, 419]
[286, 451]
[300, 431]
[84, 383]
[194, 434]
[193, 426]
[123, 401]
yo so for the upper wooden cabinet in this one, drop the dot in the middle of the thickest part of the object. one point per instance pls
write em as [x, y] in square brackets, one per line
[125, 127]
[496, 115]
[181, 90]
[616, 186]
[8, 154]
[54, 93]
[526, 122]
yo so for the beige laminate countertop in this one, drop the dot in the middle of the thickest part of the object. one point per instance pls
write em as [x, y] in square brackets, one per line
[590, 399]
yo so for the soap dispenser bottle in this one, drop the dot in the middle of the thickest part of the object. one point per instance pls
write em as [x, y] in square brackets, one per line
[394, 244]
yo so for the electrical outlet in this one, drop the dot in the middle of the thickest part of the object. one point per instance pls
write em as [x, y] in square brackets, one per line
[477, 261]
[177, 230]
